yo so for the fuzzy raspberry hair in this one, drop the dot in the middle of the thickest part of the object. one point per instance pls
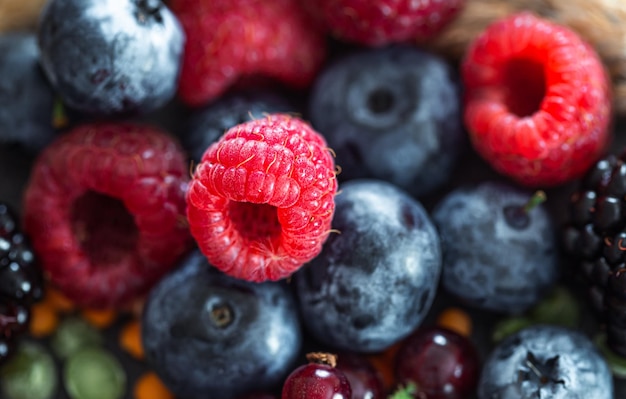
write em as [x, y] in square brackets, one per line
[261, 201]
[105, 210]
[231, 39]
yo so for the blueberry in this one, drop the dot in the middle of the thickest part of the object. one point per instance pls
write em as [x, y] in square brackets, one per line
[205, 332]
[497, 254]
[545, 362]
[207, 124]
[26, 97]
[392, 114]
[374, 282]
[109, 57]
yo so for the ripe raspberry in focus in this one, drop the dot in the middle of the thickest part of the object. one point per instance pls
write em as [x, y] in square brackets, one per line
[382, 22]
[261, 202]
[538, 102]
[105, 210]
[230, 39]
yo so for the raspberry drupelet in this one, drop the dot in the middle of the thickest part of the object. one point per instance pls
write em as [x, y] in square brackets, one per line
[261, 201]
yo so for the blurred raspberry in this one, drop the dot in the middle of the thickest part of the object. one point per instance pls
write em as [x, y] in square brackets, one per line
[381, 22]
[538, 101]
[231, 39]
[104, 208]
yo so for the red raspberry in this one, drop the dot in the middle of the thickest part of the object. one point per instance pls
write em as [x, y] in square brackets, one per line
[231, 39]
[538, 103]
[381, 22]
[105, 210]
[261, 201]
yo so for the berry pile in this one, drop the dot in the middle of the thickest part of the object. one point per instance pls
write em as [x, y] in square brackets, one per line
[254, 199]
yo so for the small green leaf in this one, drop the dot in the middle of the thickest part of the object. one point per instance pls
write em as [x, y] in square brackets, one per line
[558, 308]
[616, 363]
[59, 116]
[509, 326]
[405, 392]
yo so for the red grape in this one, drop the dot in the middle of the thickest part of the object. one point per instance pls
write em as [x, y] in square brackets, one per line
[364, 379]
[442, 363]
[317, 380]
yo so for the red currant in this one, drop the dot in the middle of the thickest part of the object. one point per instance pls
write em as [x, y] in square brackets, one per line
[317, 380]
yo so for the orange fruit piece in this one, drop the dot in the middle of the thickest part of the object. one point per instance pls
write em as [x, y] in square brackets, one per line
[130, 339]
[58, 300]
[99, 318]
[43, 320]
[149, 386]
[456, 320]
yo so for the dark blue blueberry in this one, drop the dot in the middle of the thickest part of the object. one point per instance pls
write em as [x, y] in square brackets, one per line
[545, 362]
[496, 254]
[209, 335]
[207, 124]
[392, 114]
[375, 280]
[26, 97]
[110, 57]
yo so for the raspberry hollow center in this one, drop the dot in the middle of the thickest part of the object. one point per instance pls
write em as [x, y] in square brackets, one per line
[525, 83]
[104, 228]
[255, 222]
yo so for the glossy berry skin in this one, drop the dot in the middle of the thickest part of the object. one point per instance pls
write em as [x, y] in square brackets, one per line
[21, 282]
[111, 57]
[382, 22]
[236, 337]
[385, 239]
[496, 256]
[538, 101]
[392, 114]
[228, 40]
[365, 381]
[593, 239]
[260, 203]
[545, 362]
[316, 381]
[441, 363]
[207, 124]
[104, 207]
[26, 97]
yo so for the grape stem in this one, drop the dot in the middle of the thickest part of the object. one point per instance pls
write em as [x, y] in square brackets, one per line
[328, 359]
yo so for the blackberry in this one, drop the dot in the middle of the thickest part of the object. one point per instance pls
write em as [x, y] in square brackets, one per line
[21, 283]
[595, 238]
